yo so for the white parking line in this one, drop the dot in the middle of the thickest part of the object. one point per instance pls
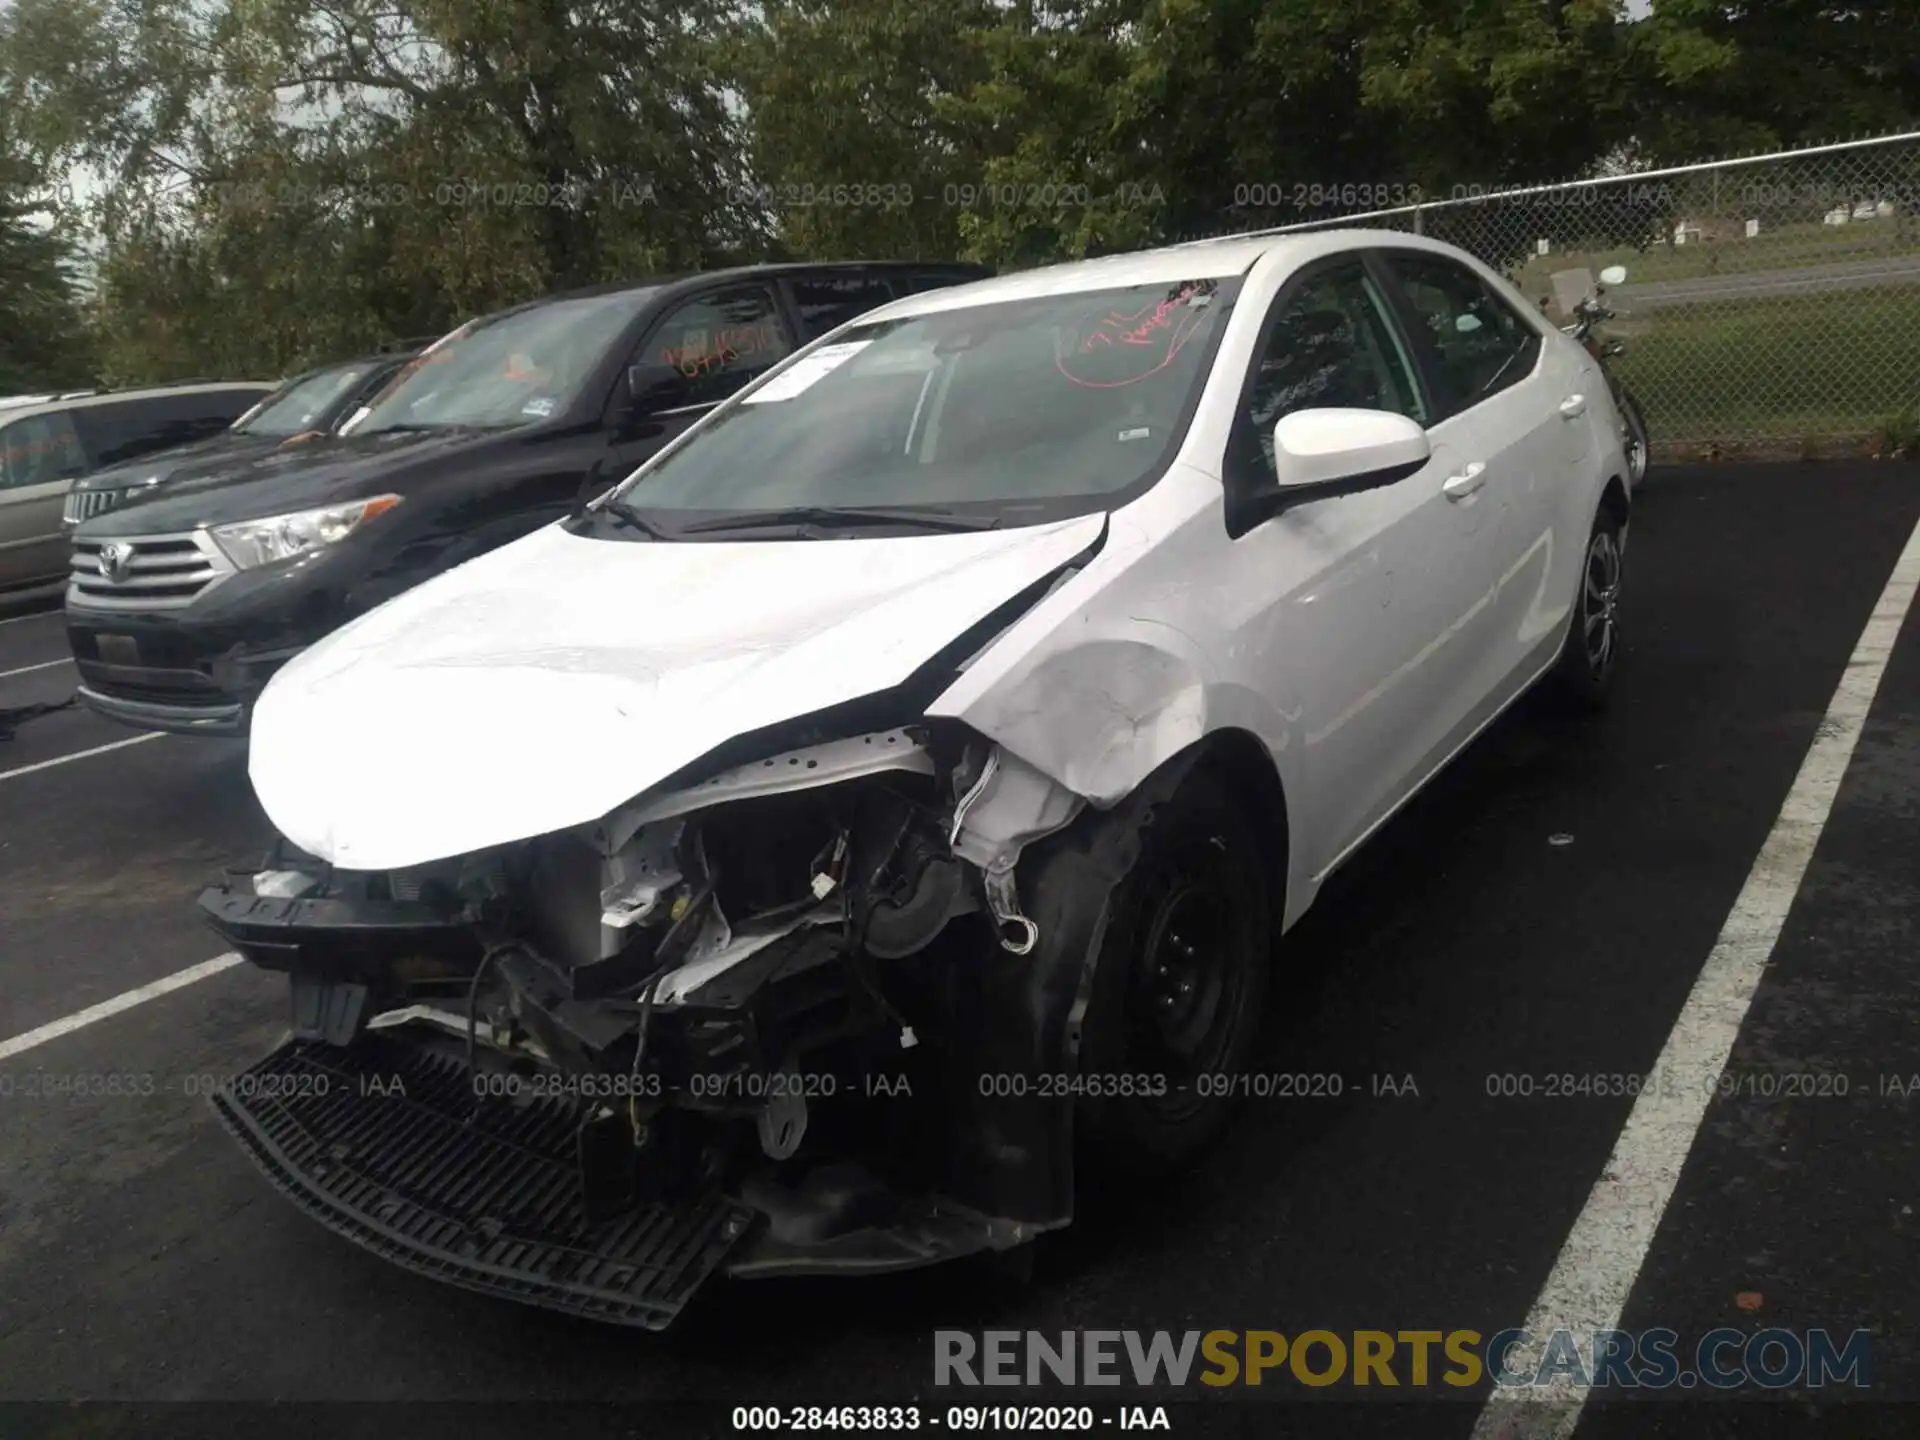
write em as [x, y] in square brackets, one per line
[79, 755]
[179, 980]
[43, 665]
[37, 615]
[1601, 1259]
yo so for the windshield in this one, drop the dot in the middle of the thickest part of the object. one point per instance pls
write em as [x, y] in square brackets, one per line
[1045, 404]
[518, 369]
[306, 403]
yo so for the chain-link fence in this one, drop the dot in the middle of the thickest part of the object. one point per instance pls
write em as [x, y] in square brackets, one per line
[1772, 302]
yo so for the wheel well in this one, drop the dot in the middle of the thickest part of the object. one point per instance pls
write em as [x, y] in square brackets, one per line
[1614, 501]
[1239, 759]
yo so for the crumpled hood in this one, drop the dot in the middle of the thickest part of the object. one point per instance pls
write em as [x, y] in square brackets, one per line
[541, 686]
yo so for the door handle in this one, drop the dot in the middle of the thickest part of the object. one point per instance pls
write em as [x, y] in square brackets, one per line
[1458, 487]
[1573, 407]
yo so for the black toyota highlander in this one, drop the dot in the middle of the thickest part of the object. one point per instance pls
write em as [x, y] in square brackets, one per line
[180, 609]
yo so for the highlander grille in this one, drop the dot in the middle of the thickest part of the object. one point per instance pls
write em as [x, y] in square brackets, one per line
[85, 504]
[144, 572]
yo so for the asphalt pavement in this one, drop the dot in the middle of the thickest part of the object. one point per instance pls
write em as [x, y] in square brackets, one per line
[1869, 274]
[1543, 909]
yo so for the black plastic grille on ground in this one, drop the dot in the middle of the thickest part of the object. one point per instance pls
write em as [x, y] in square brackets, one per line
[375, 1142]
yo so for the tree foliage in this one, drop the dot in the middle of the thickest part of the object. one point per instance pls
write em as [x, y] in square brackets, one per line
[43, 326]
[43, 329]
[1747, 75]
[274, 181]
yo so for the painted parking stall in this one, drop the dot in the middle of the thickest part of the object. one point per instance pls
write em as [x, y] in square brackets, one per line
[1463, 945]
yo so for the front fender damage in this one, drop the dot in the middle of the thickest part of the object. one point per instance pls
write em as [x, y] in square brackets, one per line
[1006, 809]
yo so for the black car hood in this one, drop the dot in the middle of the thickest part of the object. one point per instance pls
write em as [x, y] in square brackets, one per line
[222, 449]
[298, 477]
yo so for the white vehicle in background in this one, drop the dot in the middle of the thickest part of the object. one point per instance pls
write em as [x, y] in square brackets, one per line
[893, 794]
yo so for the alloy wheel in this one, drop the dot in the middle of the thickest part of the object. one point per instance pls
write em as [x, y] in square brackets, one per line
[1600, 599]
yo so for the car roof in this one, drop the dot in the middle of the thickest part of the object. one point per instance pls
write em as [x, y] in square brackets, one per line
[692, 279]
[1222, 258]
[86, 399]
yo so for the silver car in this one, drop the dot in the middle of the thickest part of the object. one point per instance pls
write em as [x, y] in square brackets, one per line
[47, 442]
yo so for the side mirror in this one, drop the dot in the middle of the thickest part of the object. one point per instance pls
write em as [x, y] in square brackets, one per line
[1340, 448]
[1614, 275]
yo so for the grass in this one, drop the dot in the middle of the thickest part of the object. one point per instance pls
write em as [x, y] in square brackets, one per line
[1830, 372]
[1898, 436]
[1786, 248]
[1840, 365]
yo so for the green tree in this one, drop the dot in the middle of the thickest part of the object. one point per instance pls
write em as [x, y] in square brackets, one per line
[284, 178]
[855, 94]
[43, 330]
[1182, 118]
[1721, 77]
[43, 327]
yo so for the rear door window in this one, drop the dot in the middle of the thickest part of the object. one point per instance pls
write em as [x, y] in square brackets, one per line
[827, 301]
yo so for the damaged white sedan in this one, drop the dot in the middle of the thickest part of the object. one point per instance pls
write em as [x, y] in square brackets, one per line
[890, 798]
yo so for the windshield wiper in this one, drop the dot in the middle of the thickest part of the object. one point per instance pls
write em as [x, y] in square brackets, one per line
[832, 515]
[621, 513]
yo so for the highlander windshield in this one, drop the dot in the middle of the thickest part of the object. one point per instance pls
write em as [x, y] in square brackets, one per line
[1056, 403]
[518, 369]
[305, 403]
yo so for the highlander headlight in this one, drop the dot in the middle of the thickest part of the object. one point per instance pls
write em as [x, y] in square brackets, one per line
[251, 543]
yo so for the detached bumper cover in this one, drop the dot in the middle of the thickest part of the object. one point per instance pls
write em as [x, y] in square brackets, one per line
[382, 1143]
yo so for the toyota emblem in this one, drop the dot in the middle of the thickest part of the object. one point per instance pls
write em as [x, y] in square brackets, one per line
[115, 557]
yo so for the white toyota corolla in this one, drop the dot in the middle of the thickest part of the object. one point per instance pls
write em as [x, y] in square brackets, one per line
[889, 798]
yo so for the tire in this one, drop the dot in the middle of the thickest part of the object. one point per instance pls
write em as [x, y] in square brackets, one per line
[1180, 984]
[1583, 676]
[1636, 441]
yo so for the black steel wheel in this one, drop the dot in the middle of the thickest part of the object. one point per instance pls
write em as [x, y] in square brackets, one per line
[1179, 987]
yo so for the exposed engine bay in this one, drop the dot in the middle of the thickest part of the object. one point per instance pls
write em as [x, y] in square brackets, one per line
[744, 1024]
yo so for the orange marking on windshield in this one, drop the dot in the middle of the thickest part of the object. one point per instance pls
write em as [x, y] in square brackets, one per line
[1161, 335]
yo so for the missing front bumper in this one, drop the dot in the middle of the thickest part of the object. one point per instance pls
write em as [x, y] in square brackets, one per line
[388, 1145]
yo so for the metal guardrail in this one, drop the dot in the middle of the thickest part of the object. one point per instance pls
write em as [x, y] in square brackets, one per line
[1772, 301]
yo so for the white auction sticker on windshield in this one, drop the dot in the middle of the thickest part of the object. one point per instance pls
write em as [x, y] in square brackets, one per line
[807, 373]
[541, 406]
